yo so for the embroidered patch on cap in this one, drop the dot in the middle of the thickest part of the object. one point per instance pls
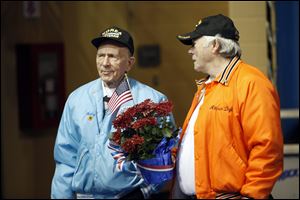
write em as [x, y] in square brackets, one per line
[112, 33]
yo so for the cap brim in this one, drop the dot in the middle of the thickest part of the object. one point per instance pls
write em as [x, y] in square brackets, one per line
[97, 41]
[187, 39]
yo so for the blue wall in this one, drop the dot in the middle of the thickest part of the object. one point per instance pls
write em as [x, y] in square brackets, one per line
[287, 35]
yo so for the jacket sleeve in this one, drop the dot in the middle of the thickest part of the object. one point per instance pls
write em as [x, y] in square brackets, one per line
[260, 118]
[65, 151]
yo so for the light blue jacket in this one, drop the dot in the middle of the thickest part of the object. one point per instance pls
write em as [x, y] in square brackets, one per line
[83, 161]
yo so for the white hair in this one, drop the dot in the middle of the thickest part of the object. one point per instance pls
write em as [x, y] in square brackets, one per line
[228, 48]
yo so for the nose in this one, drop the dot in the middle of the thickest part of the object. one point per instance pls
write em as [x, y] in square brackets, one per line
[190, 51]
[105, 61]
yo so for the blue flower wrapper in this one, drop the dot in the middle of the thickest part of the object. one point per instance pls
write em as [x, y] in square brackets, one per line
[160, 168]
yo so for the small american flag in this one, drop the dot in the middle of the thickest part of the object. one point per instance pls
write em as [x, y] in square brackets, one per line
[121, 95]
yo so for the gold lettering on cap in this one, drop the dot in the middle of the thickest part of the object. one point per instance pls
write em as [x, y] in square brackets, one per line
[183, 37]
[200, 21]
[112, 33]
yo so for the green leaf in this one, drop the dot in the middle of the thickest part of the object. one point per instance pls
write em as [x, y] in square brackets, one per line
[148, 139]
[154, 131]
[167, 132]
[141, 132]
[147, 128]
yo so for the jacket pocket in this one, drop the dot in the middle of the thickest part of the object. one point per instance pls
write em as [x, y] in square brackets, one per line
[82, 177]
[82, 155]
[228, 171]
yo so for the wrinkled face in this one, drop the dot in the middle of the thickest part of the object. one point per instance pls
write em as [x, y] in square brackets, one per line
[201, 54]
[112, 63]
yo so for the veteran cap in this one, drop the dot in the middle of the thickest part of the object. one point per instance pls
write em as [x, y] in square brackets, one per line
[116, 34]
[211, 26]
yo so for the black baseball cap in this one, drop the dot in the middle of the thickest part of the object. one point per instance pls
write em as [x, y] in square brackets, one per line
[210, 26]
[116, 34]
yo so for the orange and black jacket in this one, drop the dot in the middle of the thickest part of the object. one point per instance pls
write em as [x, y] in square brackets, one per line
[237, 134]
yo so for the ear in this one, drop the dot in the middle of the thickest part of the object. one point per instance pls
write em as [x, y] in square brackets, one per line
[215, 46]
[131, 62]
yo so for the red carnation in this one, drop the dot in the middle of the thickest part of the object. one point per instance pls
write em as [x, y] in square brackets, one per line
[131, 144]
[144, 122]
[117, 137]
[164, 108]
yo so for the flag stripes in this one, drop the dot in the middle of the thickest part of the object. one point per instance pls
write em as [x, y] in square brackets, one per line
[121, 95]
[118, 155]
[230, 196]
[157, 168]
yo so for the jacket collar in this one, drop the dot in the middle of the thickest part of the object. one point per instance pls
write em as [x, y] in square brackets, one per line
[225, 76]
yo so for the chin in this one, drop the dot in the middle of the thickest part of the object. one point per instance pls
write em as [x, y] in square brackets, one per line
[108, 80]
[197, 69]
[105, 77]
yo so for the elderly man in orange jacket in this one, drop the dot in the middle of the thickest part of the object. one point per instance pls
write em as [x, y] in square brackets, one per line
[232, 130]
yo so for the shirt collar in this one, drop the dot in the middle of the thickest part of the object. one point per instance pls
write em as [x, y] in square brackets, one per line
[107, 91]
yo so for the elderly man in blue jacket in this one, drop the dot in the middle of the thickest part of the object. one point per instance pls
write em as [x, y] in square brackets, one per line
[84, 164]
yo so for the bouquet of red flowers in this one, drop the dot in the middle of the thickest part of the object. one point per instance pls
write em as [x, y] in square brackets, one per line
[145, 134]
